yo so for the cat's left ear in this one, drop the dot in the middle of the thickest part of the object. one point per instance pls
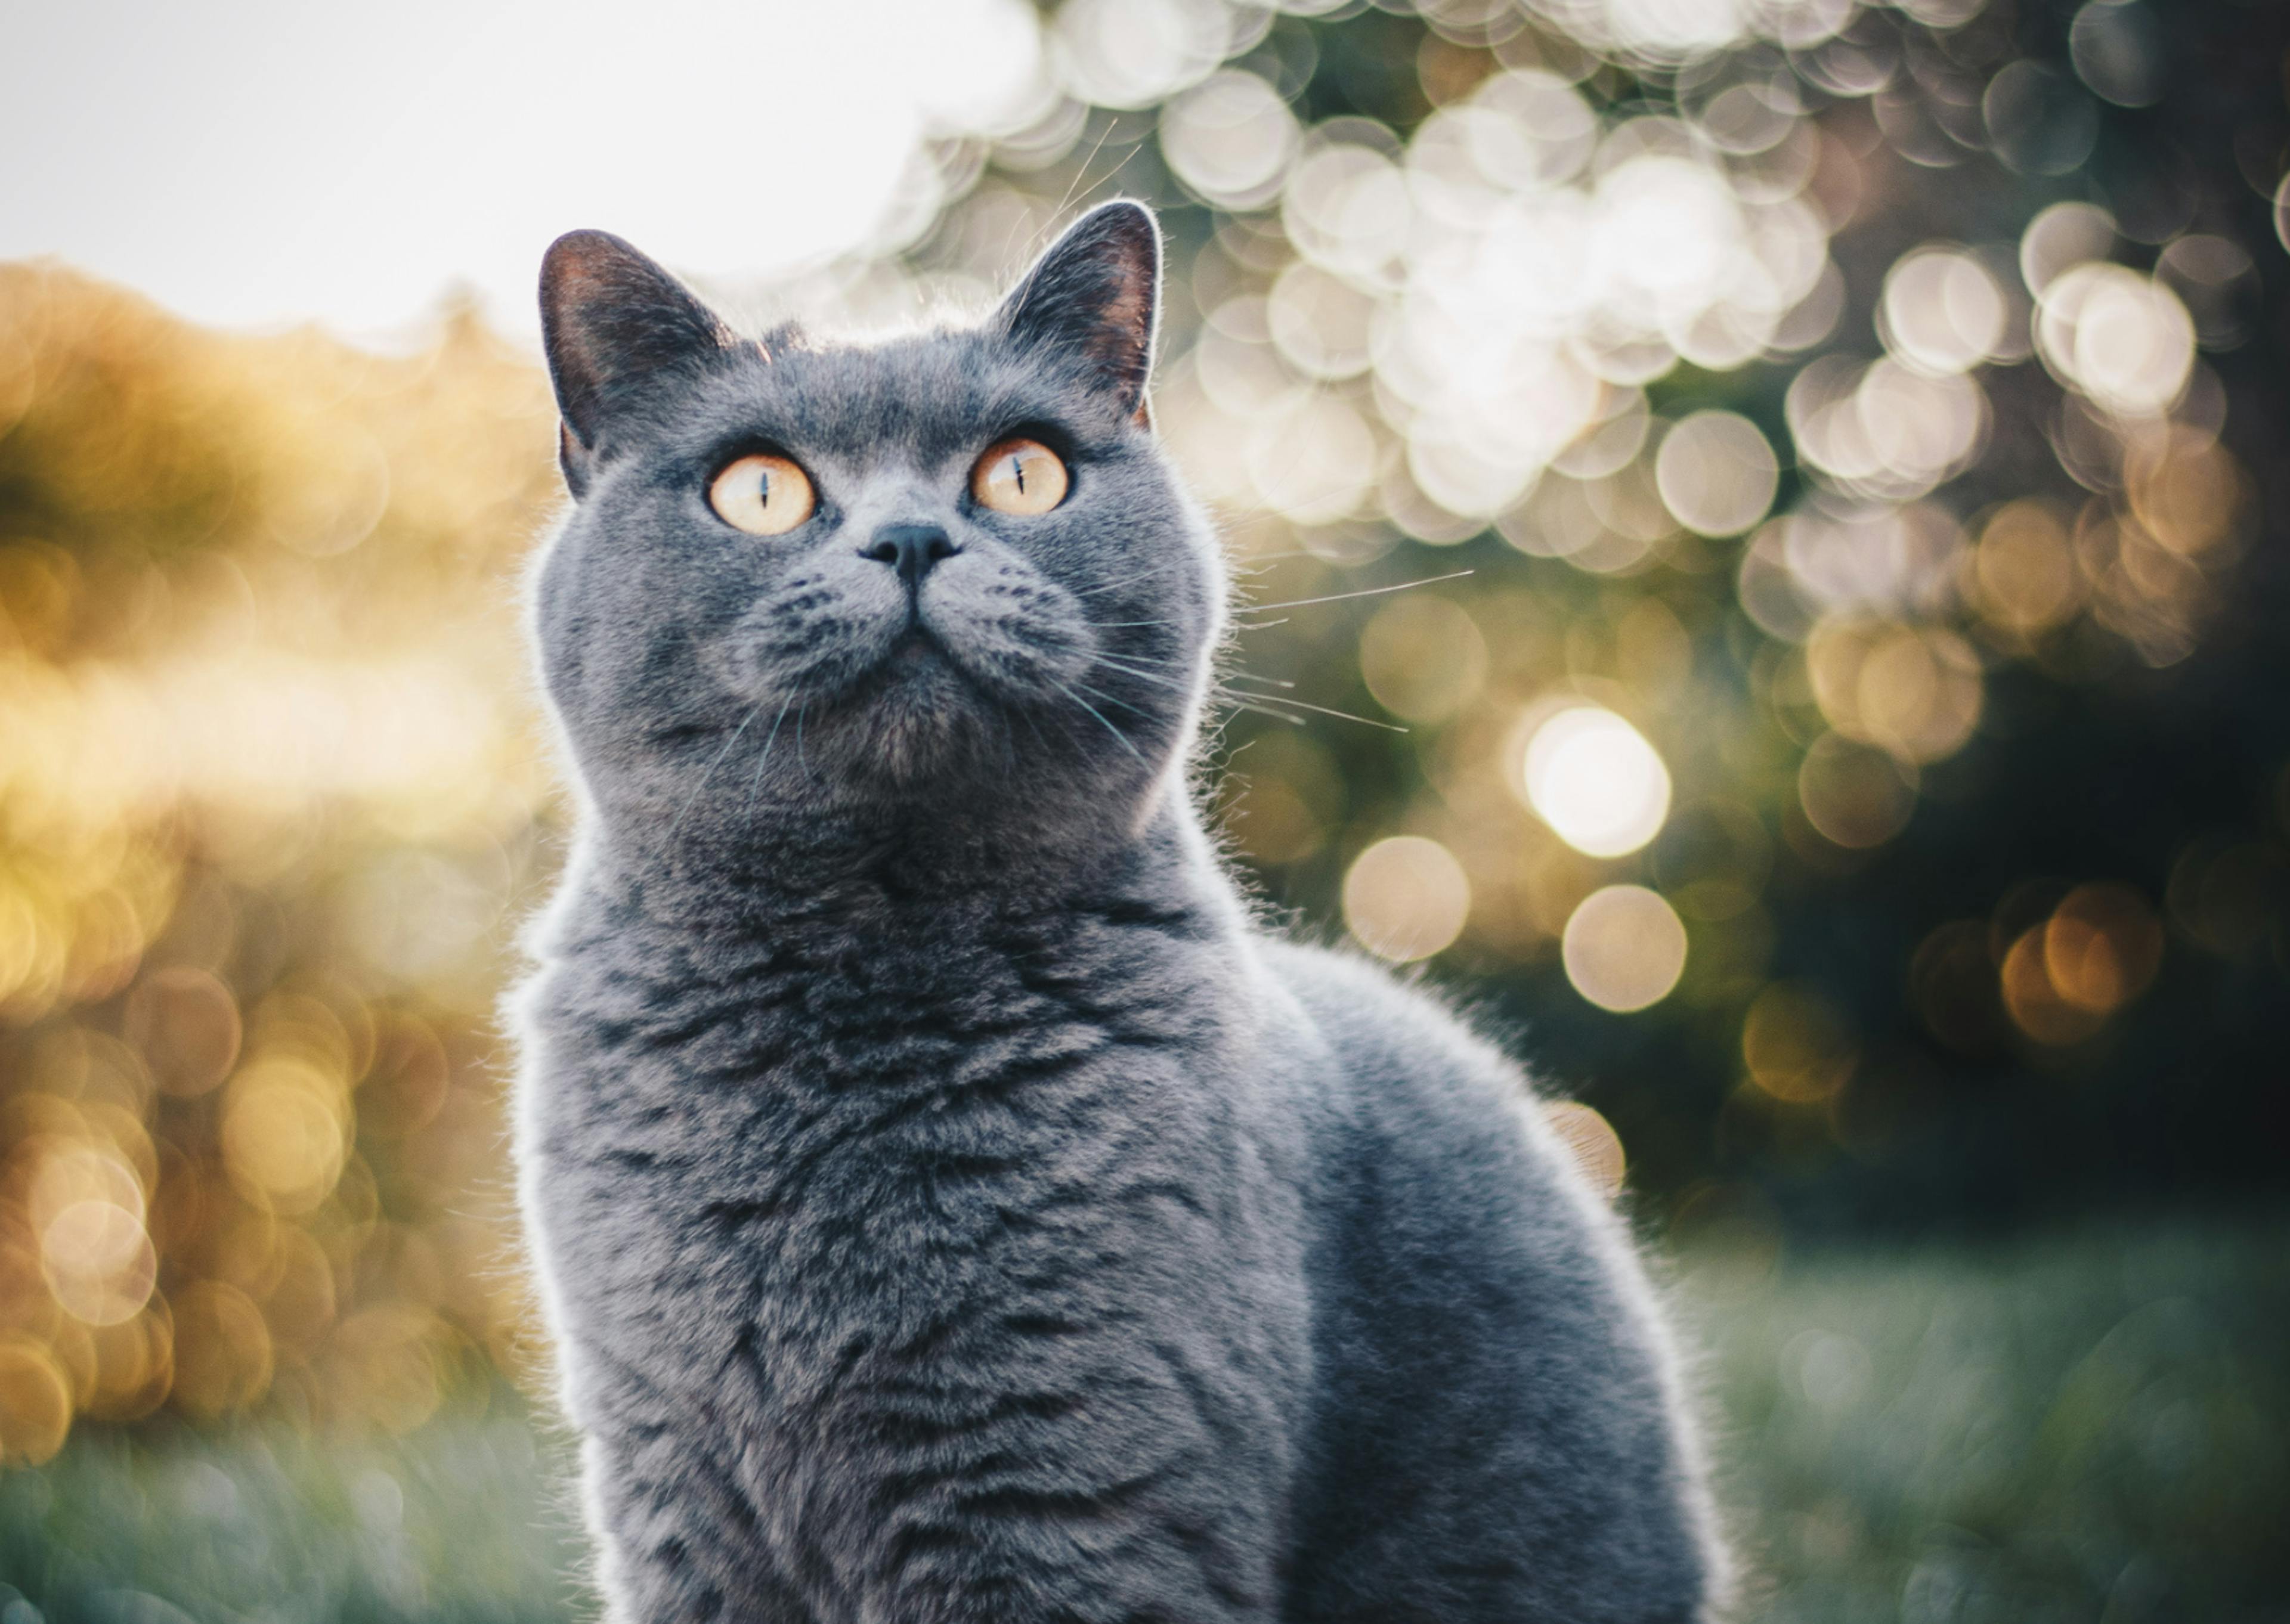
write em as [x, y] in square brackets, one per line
[615, 325]
[1096, 296]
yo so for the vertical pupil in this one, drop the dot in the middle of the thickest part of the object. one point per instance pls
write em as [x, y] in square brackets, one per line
[1018, 472]
[762, 487]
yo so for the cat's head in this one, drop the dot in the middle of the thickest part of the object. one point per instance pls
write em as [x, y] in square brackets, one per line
[950, 572]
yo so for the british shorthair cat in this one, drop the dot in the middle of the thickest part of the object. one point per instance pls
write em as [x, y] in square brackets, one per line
[952, 1205]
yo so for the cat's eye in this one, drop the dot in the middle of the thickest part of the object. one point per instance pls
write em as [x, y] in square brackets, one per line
[1020, 476]
[762, 494]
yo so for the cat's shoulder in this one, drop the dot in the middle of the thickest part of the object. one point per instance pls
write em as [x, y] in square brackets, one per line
[1392, 1024]
[1424, 1090]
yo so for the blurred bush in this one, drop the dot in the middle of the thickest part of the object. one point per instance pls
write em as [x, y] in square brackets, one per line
[268, 788]
[1843, 444]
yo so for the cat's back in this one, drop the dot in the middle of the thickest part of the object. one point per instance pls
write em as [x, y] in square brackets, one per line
[1507, 1434]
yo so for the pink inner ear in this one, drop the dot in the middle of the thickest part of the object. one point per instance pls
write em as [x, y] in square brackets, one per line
[1119, 341]
[1130, 310]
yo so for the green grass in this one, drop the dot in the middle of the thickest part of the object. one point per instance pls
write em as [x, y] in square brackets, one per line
[2093, 1427]
[469, 1518]
[2090, 1429]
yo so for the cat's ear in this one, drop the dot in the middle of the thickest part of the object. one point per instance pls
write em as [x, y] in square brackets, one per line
[1096, 296]
[613, 322]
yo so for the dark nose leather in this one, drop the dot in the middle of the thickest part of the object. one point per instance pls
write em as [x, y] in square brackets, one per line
[911, 549]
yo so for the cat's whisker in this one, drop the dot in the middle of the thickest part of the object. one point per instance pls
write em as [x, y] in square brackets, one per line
[1113, 174]
[1246, 701]
[1100, 715]
[1341, 715]
[1183, 665]
[1149, 660]
[755, 783]
[729, 744]
[1131, 580]
[1034, 727]
[1235, 703]
[1174, 564]
[1111, 699]
[1111, 663]
[1074, 186]
[1338, 597]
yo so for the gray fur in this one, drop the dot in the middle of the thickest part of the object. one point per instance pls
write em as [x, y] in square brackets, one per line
[950, 1205]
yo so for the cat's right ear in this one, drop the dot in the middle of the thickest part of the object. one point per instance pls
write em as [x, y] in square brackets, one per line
[613, 322]
[1096, 296]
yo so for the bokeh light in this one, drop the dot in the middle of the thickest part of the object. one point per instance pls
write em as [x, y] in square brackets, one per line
[1230, 139]
[263, 803]
[1423, 658]
[2122, 339]
[1624, 948]
[1594, 779]
[1942, 311]
[1593, 1143]
[1856, 797]
[1405, 898]
[1795, 1046]
[1716, 473]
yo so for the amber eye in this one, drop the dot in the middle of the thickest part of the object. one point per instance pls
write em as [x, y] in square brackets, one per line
[1019, 476]
[763, 495]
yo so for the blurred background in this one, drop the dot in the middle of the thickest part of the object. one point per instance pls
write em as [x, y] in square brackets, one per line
[1763, 522]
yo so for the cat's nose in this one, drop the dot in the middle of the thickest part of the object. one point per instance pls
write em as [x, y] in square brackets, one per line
[911, 549]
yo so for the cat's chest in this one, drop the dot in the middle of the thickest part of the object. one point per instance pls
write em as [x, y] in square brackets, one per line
[785, 1156]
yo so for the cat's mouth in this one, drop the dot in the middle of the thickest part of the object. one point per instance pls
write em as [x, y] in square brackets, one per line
[893, 694]
[918, 667]
[916, 645]
[918, 660]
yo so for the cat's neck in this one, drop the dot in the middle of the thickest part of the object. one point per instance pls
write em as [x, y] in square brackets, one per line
[914, 870]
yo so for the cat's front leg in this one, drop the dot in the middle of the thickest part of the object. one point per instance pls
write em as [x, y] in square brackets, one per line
[676, 1540]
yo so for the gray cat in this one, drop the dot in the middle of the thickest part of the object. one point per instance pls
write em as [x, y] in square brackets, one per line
[950, 1204]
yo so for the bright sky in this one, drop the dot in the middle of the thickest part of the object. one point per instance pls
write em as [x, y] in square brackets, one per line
[263, 162]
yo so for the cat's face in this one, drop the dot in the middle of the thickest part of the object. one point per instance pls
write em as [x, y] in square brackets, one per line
[952, 571]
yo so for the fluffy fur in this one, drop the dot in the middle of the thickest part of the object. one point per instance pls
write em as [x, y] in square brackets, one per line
[949, 1204]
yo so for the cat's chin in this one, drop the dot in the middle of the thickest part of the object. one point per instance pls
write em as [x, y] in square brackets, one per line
[917, 719]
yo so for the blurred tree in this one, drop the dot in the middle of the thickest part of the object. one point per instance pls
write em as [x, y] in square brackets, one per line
[1976, 753]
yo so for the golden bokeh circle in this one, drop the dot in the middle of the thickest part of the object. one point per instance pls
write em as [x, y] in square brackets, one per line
[1624, 948]
[223, 1354]
[35, 1402]
[1406, 897]
[1795, 1045]
[99, 1262]
[1591, 1141]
